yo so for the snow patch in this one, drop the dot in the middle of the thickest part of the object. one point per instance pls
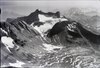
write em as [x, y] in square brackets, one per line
[37, 28]
[17, 64]
[71, 27]
[43, 28]
[50, 47]
[43, 18]
[63, 19]
[8, 42]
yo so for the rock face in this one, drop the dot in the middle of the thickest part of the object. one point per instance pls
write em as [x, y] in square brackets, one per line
[47, 40]
[89, 35]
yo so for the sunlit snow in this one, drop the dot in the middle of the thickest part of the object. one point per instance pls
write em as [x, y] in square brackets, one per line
[8, 42]
[50, 47]
[17, 64]
[43, 18]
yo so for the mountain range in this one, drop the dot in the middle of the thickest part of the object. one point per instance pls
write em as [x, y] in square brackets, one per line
[25, 42]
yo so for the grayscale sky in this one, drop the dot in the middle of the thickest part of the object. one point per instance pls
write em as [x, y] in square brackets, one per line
[25, 7]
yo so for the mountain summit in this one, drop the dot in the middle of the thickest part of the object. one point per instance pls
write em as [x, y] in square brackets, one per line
[34, 16]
